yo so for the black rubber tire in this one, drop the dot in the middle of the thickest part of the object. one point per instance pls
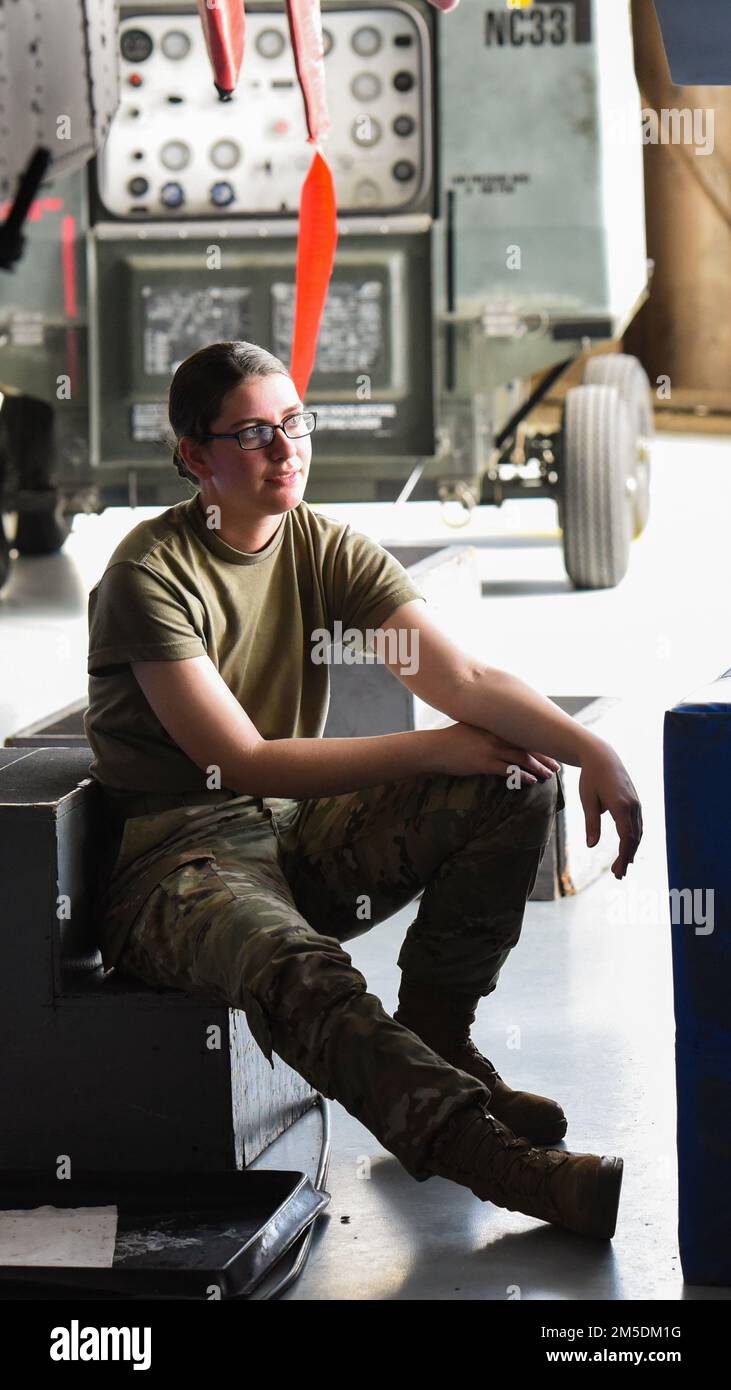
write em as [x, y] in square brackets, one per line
[596, 503]
[29, 451]
[631, 380]
[41, 533]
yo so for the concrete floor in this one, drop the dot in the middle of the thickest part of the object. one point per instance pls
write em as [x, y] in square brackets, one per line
[589, 984]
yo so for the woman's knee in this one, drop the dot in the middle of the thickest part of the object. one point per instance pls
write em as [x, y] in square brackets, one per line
[296, 974]
[530, 810]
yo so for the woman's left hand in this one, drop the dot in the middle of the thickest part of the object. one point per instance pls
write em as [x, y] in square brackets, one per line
[605, 785]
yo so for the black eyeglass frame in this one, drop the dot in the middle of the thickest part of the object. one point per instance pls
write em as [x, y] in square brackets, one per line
[247, 448]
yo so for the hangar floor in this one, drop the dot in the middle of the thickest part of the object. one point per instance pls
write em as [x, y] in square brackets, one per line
[590, 981]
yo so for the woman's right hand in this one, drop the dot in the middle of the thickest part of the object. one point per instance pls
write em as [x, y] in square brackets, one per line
[465, 749]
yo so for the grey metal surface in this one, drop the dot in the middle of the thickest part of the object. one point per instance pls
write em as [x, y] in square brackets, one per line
[60, 77]
[529, 103]
[376, 330]
[267, 141]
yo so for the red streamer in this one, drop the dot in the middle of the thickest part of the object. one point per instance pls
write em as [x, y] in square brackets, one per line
[223, 27]
[318, 236]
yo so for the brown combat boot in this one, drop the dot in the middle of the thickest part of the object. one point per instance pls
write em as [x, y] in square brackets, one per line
[577, 1191]
[444, 1025]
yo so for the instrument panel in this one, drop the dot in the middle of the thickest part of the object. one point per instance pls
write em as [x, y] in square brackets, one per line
[175, 150]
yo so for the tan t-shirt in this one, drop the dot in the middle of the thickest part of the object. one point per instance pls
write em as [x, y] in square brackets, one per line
[173, 588]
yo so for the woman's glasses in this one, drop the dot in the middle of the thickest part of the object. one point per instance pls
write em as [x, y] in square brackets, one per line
[259, 436]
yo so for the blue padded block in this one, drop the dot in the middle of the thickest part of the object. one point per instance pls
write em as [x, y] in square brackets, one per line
[697, 775]
[697, 39]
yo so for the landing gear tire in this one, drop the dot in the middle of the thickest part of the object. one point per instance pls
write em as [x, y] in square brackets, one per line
[29, 454]
[41, 533]
[632, 382]
[596, 498]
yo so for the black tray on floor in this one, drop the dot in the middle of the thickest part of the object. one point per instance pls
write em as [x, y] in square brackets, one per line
[179, 1235]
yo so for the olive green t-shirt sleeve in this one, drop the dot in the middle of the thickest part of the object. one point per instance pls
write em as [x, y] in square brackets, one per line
[136, 615]
[368, 582]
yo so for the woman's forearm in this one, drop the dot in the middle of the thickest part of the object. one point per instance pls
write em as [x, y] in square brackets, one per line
[517, 713]
[302, 767]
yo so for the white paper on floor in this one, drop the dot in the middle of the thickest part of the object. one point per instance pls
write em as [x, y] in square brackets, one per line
[58, 1236]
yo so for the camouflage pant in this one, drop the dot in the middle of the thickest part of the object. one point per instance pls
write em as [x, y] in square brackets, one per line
[261, 928]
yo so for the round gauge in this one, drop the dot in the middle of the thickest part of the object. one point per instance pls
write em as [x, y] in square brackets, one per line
[366, 130]
[135, 45]
[366, 41]
[367, 192]
[366, 86]
[327, 42]
[404, 81]
[172, 195]
[403, 170]
[225, 154]
[270, 43]
[175, 154]
[222, 194]
[175, 44]
[404, 125]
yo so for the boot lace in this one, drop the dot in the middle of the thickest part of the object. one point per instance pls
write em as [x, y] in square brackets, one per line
[517, 1169]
